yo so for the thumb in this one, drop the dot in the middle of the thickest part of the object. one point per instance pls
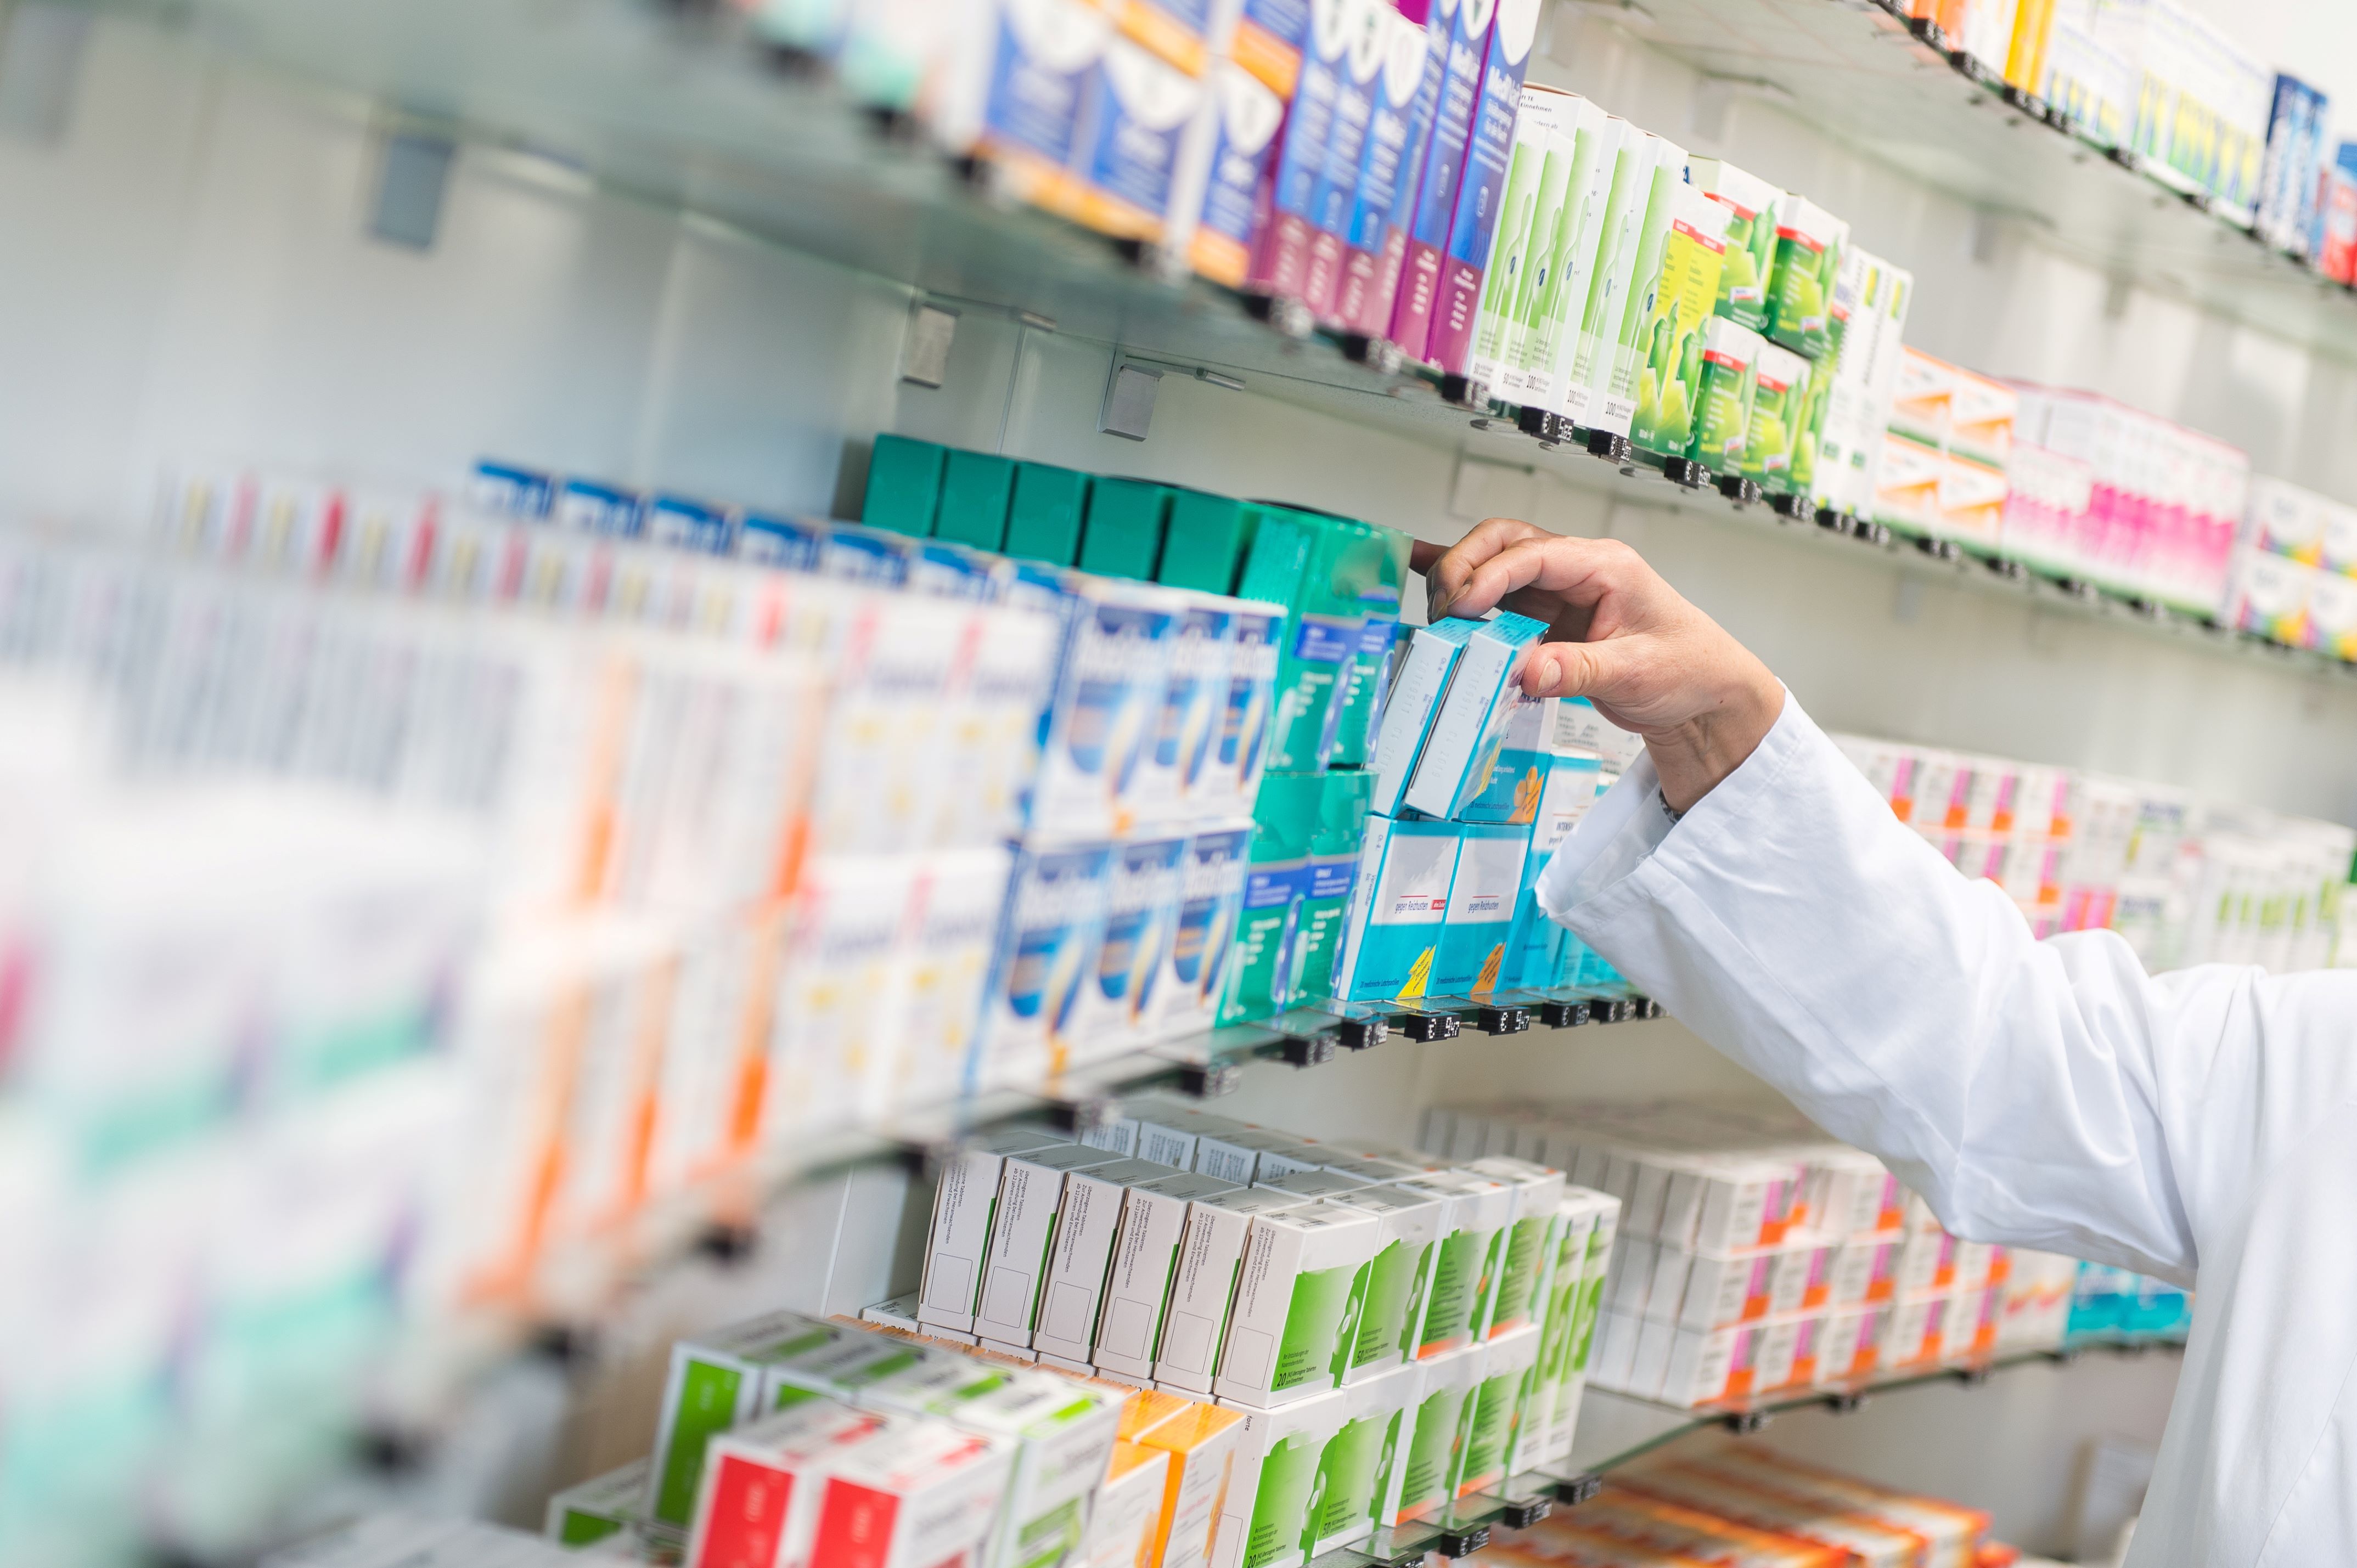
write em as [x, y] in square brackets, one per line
[1593, 669]
[1423, 555]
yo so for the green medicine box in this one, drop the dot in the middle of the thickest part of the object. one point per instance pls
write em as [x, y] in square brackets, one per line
[1204, 544]
[904, 485]
[1043, 518]
[976, 489]
[1123, 535]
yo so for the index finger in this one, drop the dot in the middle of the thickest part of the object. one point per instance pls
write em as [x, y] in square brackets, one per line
[1447, 574]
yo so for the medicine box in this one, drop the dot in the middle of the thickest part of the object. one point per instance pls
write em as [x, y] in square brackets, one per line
[1137, 1282]
[1203, 1284]
[1356, 1469]
[1520, 1295]
[1030, 1191]
[1127, 1509]
[1202, 1441]
[919, 1495]
[850, 1362]
[1310, 1186]
[1178, 783]
[608, 1505]
[1417, 695]
[1296, 1305]
[1062, 1432]
[1399, 1276]
[1472, 1247]
[1273, 1486]
[963, 1203]
[1049, 951]
[1397, 909]
[1114, 1007]
[1079, 1252]
[1483, 697]
[1108, 703]
[1212, 887]
[977, 489]
[758, 1501]
[1251, 1153]
[1482, 894]
[1501, 1401]
[715, 1383]
[1446, 1400]
[1044, 513]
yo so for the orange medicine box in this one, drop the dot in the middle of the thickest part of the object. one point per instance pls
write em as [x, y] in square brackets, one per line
[1201, 1440]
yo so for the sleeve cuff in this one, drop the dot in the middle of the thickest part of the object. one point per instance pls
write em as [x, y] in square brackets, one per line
[1621, 831]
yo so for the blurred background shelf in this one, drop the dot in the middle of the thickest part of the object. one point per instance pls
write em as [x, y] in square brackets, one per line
[1617, 1429]
[1902, 97]
[682, 110]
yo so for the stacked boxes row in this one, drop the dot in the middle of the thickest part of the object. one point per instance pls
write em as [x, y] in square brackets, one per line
[1283, 863]
[1475, 785]
[2294, 575]
[1685, 304]
[1946, 450]
[2149, 77]
[2076, 486]
[2184, 881]
[1754, 1257]
[1384, 166]
[1311, 1342]
[1747, 1507]
[2162, 503]
[635, 865]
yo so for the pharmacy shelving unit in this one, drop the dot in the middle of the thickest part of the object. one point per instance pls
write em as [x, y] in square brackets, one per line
[675, 105]
[1212, 1064]
[1899, 91]
[1617, 1429]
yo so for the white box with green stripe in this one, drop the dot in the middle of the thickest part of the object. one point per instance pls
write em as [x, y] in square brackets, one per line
[1273, 1489]
[1143, 1263]
[1399, 1277]
[601, 1507]
[1518, 1299]
[1203, 1288]
[1297, 1308]
[718, 1381]
[1589, 1221]
[1063, 1434]
[964, 1205]
[1022, 1234]
[1355, 1472]
[1081, 1249]
[1472, 1248]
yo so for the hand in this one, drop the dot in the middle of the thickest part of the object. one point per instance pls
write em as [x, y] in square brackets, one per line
[1621, 637]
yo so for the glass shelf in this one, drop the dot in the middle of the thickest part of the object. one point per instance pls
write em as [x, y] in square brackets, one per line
[679, 109]
[1206, 1066]
[1895, 93]
[1617, 1429]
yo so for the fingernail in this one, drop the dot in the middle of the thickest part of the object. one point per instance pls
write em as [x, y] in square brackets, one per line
[1543, 677]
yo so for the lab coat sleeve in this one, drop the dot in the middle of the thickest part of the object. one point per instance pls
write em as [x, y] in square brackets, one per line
[2044, 1094]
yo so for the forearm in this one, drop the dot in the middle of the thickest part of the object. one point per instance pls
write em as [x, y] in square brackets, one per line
[1791, 921]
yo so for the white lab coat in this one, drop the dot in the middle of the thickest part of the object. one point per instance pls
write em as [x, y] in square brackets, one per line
[2200, 1127]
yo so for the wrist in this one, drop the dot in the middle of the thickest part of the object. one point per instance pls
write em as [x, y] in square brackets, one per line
[1694, 756]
